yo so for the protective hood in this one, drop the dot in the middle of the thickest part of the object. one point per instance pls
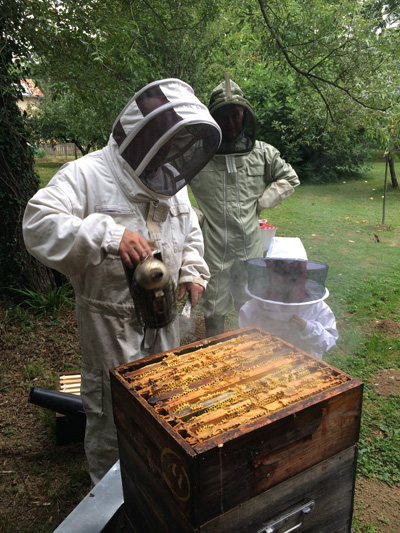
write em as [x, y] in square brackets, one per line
[166, 135]
[286, 279]
[228, 93]
[282, 247]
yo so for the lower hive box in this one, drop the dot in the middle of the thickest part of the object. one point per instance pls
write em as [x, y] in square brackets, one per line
[207, 427]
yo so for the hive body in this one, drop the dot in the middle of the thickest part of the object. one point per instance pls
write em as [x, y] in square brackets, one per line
[212, 427]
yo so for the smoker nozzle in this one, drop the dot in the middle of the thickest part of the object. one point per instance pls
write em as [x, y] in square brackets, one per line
[61, 402]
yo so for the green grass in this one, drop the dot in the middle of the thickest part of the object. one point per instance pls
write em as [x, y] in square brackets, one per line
[54, 300]
[340, 224]
[47, 167]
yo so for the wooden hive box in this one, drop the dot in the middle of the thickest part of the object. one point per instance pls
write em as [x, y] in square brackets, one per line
[207, 427]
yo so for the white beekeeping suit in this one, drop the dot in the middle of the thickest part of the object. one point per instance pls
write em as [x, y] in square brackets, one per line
[287, 298]
[79, 222]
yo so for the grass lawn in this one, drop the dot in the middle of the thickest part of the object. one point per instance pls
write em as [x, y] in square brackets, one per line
[341, 224]
[46, 167]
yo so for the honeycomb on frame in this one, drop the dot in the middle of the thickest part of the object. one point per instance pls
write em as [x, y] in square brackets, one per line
[218, 387]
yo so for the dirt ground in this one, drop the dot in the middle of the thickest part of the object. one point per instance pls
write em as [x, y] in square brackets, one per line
[42, 482]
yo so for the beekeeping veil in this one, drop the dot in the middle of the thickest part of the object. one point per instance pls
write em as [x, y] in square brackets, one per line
[286, 279]
[227, 94]
[166, 135]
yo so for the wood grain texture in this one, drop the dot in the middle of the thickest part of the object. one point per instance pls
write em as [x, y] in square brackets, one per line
[207, 480]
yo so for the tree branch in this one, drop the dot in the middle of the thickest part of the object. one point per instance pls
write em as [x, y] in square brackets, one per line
[159, 17]
[328, 107]
[309, 75]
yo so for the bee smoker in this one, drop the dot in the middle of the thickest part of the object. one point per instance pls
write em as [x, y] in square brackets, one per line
[152, 291]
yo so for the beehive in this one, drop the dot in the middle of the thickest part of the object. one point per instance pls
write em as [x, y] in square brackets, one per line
[213, 424]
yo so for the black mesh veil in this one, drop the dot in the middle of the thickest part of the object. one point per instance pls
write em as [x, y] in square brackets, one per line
[290, 281]
[166, 135]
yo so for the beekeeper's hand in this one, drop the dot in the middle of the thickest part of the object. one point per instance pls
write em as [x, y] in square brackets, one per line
[194, 289]
[133, 248]
[298, 322]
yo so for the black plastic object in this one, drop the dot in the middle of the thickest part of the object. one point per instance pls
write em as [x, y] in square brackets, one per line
[60, 402]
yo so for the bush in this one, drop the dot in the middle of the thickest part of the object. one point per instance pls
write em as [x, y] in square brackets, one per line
[43, 303]
[318, 155]
[40, 153]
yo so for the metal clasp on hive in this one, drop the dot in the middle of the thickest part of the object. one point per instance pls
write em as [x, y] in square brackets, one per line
[293, 518]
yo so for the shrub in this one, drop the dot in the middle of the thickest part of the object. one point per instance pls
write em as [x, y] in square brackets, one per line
[40, 153]
[317, 154]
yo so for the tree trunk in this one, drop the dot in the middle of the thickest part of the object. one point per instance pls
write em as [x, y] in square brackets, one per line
[18, 183]
[392, 172]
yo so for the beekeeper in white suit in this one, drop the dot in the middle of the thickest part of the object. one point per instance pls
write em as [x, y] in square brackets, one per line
[288, 298]
[120, 203]
[243, 178]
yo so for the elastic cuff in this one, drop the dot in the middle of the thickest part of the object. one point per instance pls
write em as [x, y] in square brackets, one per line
[112, 247]
[193, 279]
[200, 281]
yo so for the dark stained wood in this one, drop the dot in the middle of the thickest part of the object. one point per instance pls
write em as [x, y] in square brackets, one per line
[329, 485]
[193, 485]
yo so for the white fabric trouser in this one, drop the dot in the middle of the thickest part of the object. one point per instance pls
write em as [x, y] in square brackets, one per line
[107, 342]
